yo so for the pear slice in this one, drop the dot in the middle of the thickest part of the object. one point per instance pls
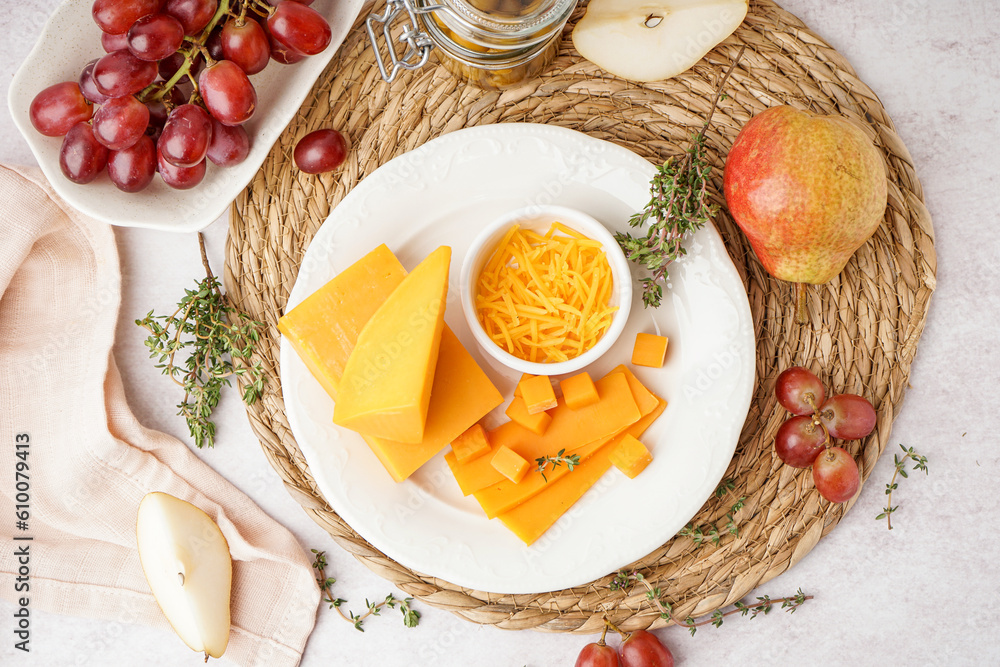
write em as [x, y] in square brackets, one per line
[187, 563]
[652, 40]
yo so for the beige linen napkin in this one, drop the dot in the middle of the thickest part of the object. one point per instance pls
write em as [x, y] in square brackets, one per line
[90, 462]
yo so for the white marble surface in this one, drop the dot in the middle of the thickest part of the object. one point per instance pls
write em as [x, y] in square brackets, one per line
[925, 594]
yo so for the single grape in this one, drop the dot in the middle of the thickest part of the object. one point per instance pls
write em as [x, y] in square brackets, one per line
[117, 16]
[300, 27]
[320, 151]
[121, 122]
[848, 416]
[229, 96]
[598, 654]
[194, 15]
[58, 108]
[88, 87]
[214, 44]
[643, 649]
[112, 43]
[799, 391]
[180, 178]
[155, 37]
[246, 45]
[132, 169]
[169, 65]
[120, 73]
[186, 135]
[282, 53]
[230, 144]
[836, 475]
[799, 441]
[81, 156]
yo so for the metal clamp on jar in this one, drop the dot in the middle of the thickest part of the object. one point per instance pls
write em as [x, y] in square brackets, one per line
[491, 43]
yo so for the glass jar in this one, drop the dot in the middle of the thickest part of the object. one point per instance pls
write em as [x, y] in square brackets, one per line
[491, 43]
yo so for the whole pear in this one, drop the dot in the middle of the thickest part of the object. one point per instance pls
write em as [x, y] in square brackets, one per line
[808, 190]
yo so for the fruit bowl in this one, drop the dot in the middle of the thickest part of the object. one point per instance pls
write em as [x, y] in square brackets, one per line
[70, 39]
[538, 219]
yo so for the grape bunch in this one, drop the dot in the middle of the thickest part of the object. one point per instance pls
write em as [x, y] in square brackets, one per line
[173, 90]
[804, 440]
[640, 649]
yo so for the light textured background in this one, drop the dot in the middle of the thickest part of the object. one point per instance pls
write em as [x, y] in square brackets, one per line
[924, 594]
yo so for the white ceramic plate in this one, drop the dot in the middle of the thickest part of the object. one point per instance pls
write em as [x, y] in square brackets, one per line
[443, 193]
[71, 39]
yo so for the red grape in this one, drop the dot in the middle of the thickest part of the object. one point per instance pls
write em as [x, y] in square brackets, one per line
[155, 37]
[246, 45]
[180, 178]
[836, 475]
[81, 156]
[89, 87]
[643, 649]
[58, 108]
[319, 151]
[848, 416]
[120, 73]
[598, 654]
[194, 15]
[799, 391]
[186, 135]
[799, 441]
[121, 122]
[282, 53]
[117, 16]
[230, 144]
[169, 65]
[112, 43]
[228, 93]
[214, 44]
[300, 27]
[132, 169]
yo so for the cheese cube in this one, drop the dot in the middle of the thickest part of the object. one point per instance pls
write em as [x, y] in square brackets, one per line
[579, 391]
[518, 412]
[510, 464]
[630, 456]
[538, 394]
[649, 350]
[471, 445]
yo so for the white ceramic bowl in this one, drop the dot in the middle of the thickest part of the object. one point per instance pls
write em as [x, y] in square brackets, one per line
[539, 219]
[70, 39]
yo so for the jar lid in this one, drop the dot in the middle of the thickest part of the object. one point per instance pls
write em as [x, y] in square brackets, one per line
[514, 19]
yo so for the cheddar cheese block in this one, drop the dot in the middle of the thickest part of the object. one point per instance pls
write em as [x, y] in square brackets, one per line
[385, 389]
[324, 328]
[530, 519]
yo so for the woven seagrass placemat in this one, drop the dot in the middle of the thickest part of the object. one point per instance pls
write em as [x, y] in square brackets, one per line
[864, 325]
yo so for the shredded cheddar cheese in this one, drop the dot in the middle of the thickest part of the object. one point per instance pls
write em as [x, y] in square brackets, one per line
[545, 298]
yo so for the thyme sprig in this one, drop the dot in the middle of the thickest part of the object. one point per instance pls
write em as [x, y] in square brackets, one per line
[679, 206]
[709, 531]
[919, 463]
[555, 461]
[624, 580]
[411, 617]
[219, 342]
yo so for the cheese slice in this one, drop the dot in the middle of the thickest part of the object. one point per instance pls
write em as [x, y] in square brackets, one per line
[503, 496]
[386, 386]
[533, 517]
[324, 328]
[569, 430]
